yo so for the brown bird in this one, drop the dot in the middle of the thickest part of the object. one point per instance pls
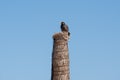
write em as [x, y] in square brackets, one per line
[65, 28]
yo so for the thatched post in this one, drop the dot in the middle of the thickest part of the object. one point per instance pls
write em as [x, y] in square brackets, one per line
[60, 56]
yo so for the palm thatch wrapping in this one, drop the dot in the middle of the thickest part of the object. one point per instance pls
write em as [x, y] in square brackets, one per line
[60, 57]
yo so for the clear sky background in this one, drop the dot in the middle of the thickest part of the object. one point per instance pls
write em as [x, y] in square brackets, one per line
[27, 26]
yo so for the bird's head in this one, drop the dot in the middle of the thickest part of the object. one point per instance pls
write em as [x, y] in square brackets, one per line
[62, 23]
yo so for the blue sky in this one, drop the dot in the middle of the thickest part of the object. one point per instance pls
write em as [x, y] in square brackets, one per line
[27, 26]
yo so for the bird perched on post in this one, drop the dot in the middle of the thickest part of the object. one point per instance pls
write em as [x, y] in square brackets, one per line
[64, 34]
[64, 28]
